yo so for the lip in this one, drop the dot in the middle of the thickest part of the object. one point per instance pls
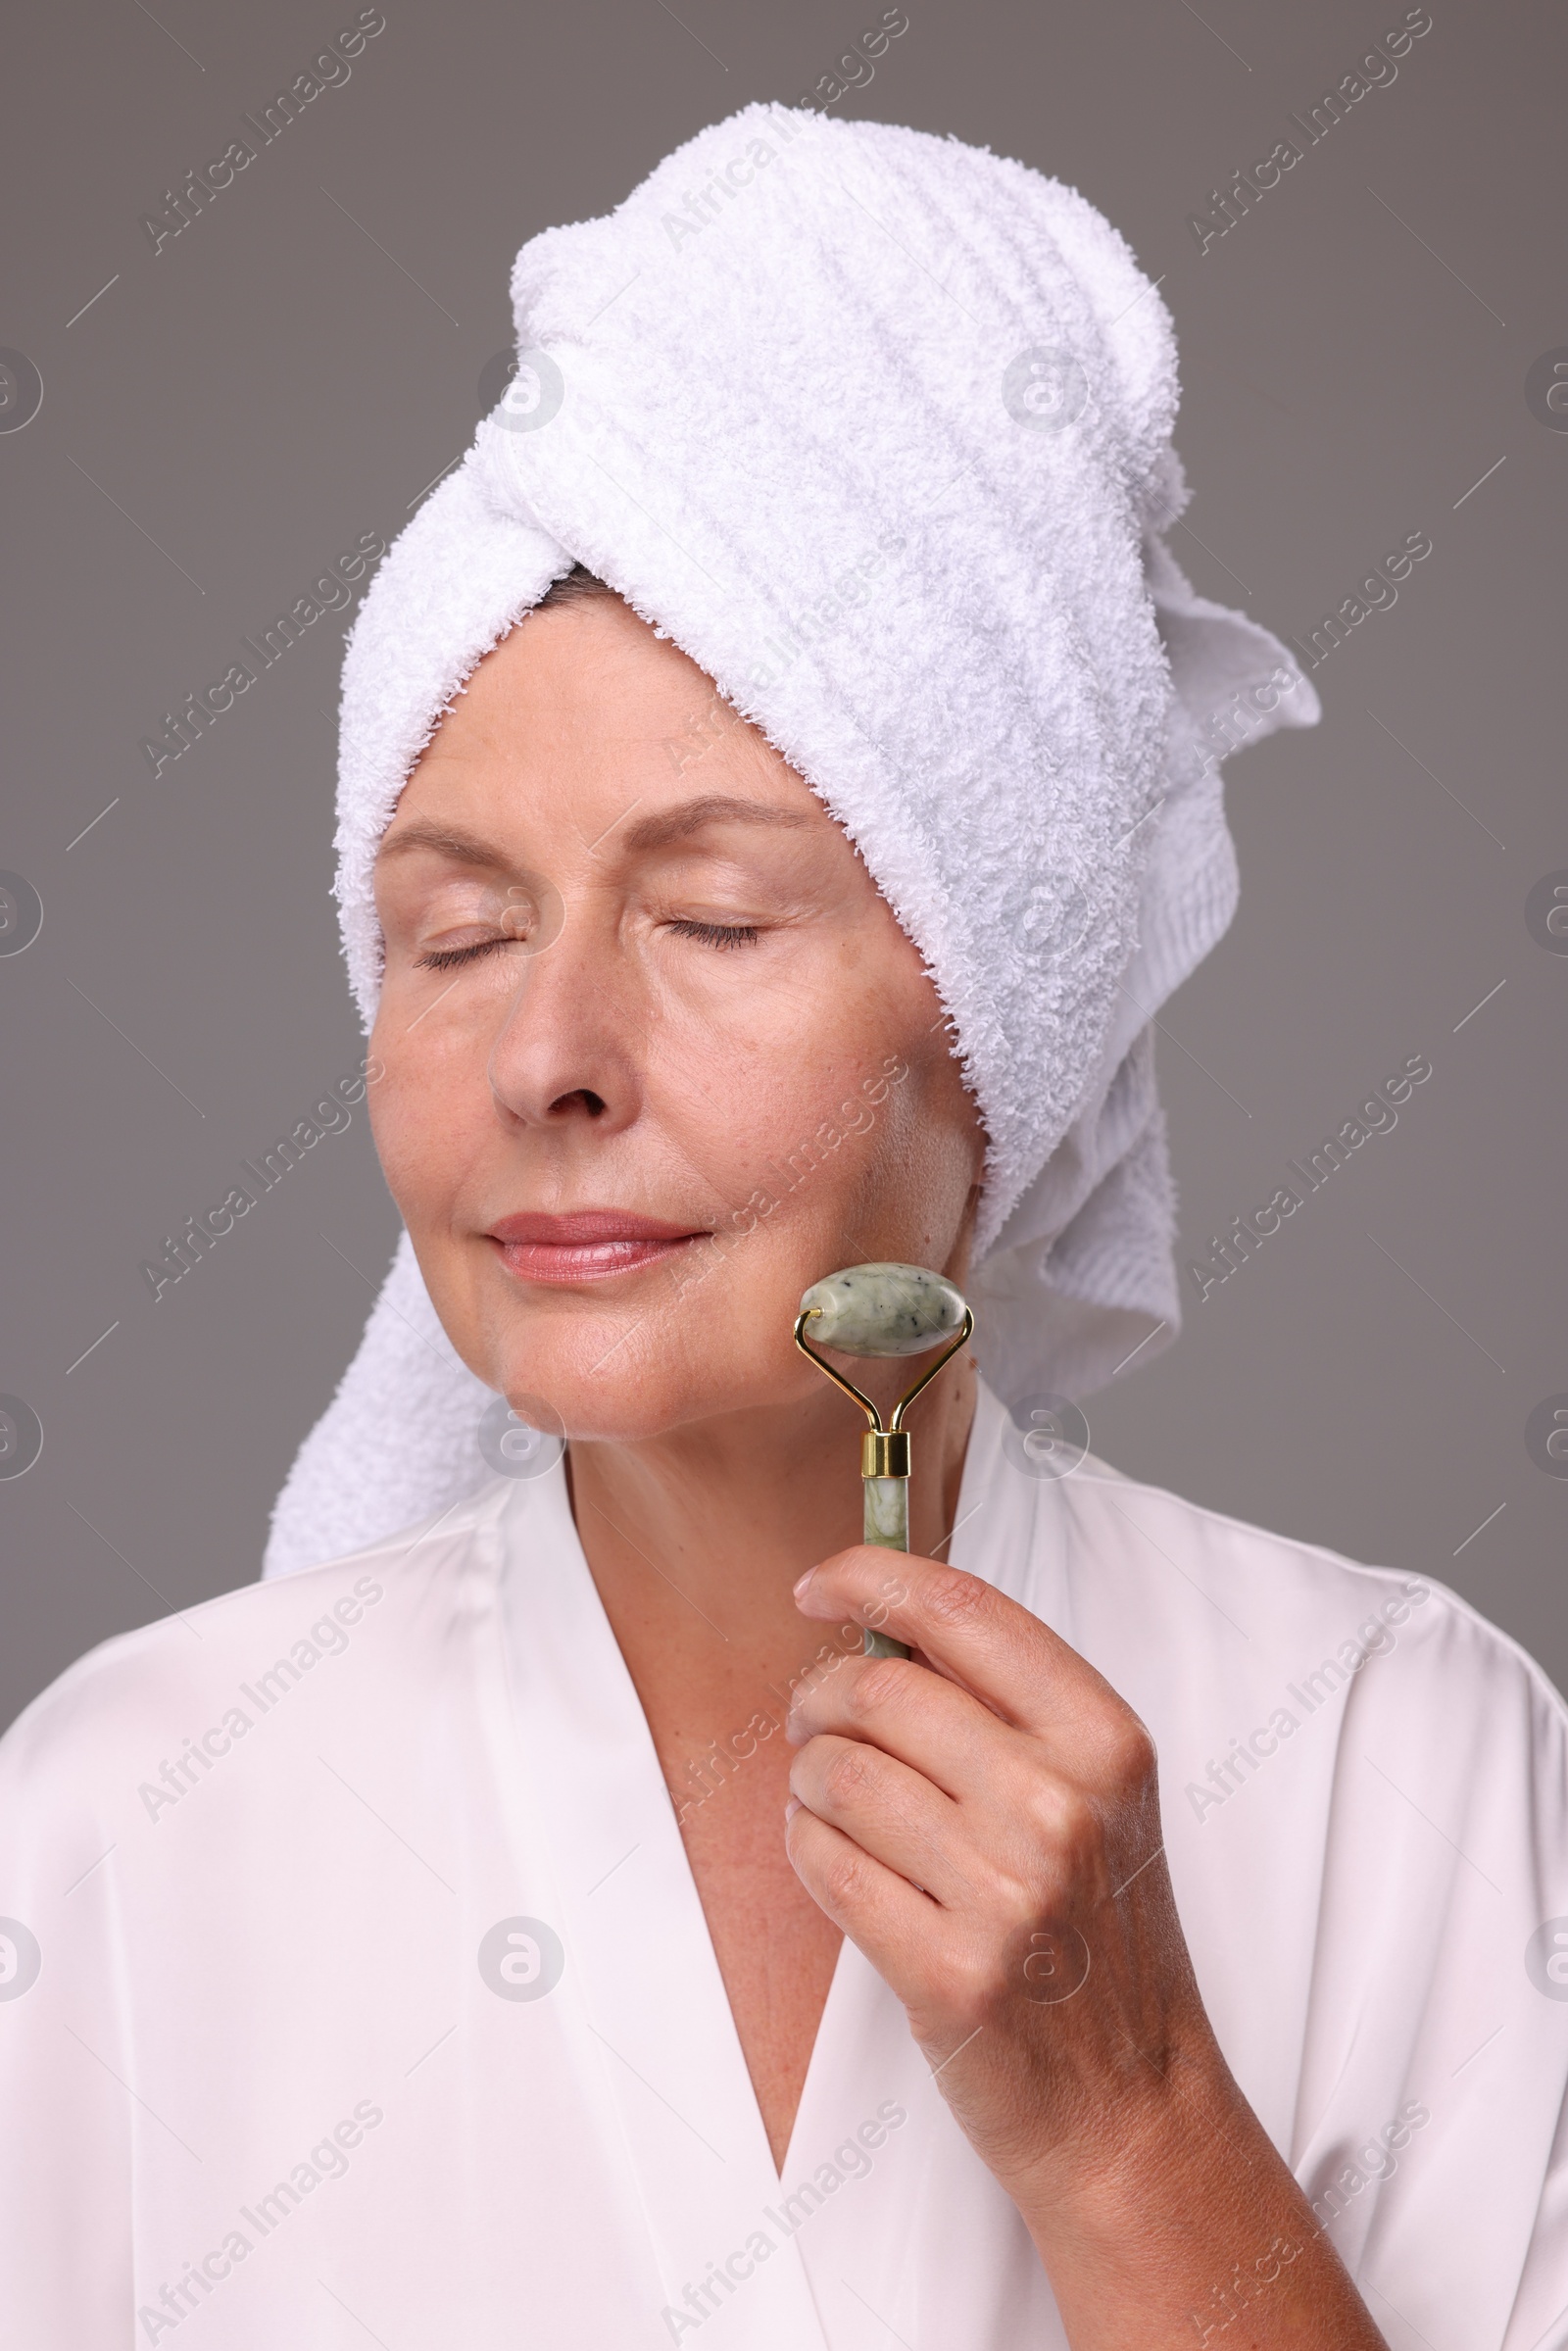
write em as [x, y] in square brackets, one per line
[587, 1244]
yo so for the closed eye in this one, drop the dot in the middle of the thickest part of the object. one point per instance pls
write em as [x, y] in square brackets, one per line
[445, 958]
[717, 934]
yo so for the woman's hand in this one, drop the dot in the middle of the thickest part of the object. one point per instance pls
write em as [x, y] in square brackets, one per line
[985, 1825]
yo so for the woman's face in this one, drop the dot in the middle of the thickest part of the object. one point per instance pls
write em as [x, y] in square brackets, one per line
[656, 1054]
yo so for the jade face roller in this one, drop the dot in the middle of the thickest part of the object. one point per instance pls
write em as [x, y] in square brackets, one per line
[884, 1311]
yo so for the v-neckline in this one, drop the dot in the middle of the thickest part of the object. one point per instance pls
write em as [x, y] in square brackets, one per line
[600, 1856]
[542, 1515]
[601, 1859]
[546, 1514]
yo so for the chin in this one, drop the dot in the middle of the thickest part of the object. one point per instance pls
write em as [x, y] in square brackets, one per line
[573, 1395]
[630, 1373]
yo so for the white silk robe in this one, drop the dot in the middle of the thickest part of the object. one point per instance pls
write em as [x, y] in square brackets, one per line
[354, 1986]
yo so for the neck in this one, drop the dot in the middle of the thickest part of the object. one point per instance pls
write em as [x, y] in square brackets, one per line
[695, 1538]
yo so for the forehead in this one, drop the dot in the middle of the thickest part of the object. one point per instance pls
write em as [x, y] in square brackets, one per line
[583, 718]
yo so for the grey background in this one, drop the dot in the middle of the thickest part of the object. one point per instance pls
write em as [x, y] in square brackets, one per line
[297, 367]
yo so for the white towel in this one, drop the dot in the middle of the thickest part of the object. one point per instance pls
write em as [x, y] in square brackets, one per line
[876, 428]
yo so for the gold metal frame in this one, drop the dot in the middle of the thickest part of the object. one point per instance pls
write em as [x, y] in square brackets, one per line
[875, 1445]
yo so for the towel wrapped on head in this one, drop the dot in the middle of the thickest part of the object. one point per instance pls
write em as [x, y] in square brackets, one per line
[875, 426]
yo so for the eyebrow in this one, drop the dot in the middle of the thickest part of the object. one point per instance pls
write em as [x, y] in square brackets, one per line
[423, 833]
[658, 831]
[668, 825]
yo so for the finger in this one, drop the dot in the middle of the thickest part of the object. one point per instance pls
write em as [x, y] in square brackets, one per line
[891, 1813]
[925, 1720]
[968, 1631]
[883, 1915]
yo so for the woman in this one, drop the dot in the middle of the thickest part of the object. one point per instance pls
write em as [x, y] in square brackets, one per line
[779, 785]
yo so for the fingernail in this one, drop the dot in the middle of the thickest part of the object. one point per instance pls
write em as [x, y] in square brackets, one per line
[792, 1808]
[799, 1588]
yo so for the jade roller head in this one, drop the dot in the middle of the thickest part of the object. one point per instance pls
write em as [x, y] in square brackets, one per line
[883, 1310]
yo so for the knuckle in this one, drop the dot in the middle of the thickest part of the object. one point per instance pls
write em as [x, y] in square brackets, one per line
[1066, 1824]
[846, 1879]
[967, 1981]
[1129, 1758]
[850, 1773]
[1082, 1832]
[1048, 1805]
[880, 1684]
[1016, 1894]
[954, 1600]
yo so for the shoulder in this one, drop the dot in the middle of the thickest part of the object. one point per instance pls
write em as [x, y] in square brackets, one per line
[1289, 1574]
[120, 1711]
[1160, 1592]
[1285, 1594]
[1196, 1615]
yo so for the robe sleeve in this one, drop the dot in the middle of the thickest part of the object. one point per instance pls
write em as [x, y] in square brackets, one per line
[68, 2076]
[1539, 2316]
[1429, 2131]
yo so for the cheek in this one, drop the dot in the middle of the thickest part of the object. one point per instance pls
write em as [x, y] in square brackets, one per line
[933, 1149]
[761, 1119]
[426, 1114]
[783, 1083]
[853, 1139]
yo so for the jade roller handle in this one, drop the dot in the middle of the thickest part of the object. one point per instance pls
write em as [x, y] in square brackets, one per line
[887, 1524]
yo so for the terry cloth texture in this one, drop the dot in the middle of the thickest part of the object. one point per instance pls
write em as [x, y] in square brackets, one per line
[876, 428]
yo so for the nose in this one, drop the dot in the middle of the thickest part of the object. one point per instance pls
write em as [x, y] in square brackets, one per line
[566, 1055]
